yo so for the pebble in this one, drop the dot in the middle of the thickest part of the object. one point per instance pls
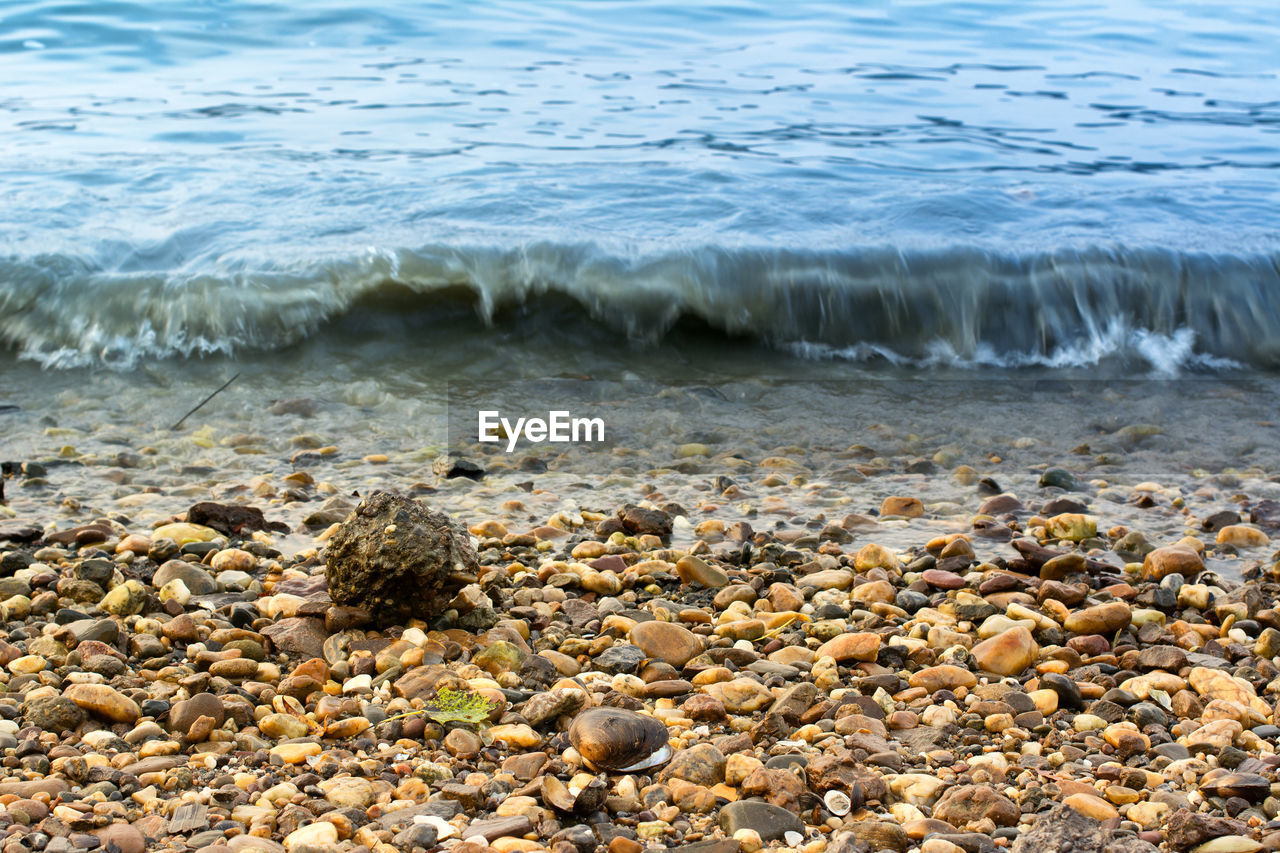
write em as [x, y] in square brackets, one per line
[666, 641]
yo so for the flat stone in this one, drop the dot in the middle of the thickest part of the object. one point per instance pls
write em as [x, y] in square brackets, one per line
[769, 821]
[695, 570]
[400, 818]
[26, 790]
[300, 636]
[942, 677]
[858, 646]
[1064, 828]
[1099, 619]
[667, 641]
[499, 827]
[104, 701]
[939, 579]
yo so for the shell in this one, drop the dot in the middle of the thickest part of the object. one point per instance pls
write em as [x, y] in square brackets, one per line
[618, 740]
[838, 803]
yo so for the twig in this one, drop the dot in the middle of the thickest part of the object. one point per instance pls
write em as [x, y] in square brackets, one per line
[205, 400]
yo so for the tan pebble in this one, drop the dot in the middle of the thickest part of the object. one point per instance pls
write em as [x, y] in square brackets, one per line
[27, 664]
[942, 677]
[739, 766]
[621, 844]
[159, 747]
[938, 716]
[940, 845]
[742, 695]
[1008, 653]
[295, 753]
[1091, 806]
[319, 834]
[233, 559]
[1229, 844]
[1170, 559]
[135, 542]
[185, 534]
[903, 506]
[871, 556]
[1241, 536]
[712, 675]
[518, 735]
[104, 701]
[1046, 700]
[695, 570]
[589, 550]
[1072, 526]
[1120, 795]
[348, 792]
[491, 529]
[1147, 815]
[512, 844]
[858, 646]
[348, 728]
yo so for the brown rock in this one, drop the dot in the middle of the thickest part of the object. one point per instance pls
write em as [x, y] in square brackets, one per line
[667, 641]
[1170, 559]
[1007, 653]
[124, 837]
[461, 743]
[299, 636]
[1167, 658]
[695, 570]
[942, 677]
[232, 519]
[841, 771]
[860, 646]
[422, 681]
[906, 507]
[939, 579]
[777, 786]
[969, 804]
[869, 835]
[703, 708]
[104, 701]
[398, 559]
[1100, 619]
[639, 521]
[702, 765]
[1185, 829]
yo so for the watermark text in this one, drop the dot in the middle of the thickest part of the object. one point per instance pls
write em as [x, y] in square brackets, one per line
[559, 427]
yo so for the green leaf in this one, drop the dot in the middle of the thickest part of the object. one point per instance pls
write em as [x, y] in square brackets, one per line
[459, 706]
[454, 706]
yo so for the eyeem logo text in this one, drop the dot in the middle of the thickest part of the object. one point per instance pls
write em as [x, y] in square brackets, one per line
[559, 428]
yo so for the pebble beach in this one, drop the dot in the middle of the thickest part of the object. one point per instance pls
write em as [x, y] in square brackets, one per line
[719, 646]
[925, 356]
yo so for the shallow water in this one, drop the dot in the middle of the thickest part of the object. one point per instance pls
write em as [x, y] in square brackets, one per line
[899, 236]
[983, 184]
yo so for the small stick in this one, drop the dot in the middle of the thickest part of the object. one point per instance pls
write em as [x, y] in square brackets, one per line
[205, 400]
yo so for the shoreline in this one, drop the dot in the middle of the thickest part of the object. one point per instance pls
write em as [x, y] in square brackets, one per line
[856, 600]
